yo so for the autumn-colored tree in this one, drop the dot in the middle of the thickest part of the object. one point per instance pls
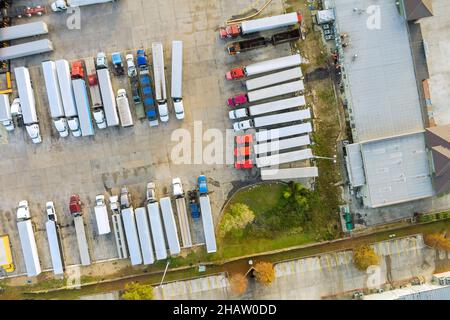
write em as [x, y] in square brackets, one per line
[264, 273]
[364, 257]
[437, 241]
[238, 283]
[136, 291]
[237, 218]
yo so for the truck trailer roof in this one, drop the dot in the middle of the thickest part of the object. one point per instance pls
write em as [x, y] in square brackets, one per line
[208, 224]
[170, 226]
[24, 30]
[177, 69]
[83, 107]
[284, 144]
[278, 118]
[65, 85]
[55, 102]
[5, 108]
[145, 239]
[157, 230]
[281, 158]
[277, 105]
[268, 23]
[55, 249]
[275, 91]
[134, 248]
[29, 248]
[26, 95]
[108, 97]
[273, 64]
[273, 134]
[274, 78]
[26, 49]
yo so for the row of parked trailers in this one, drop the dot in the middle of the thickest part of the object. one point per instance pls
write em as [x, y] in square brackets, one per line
[280, 144]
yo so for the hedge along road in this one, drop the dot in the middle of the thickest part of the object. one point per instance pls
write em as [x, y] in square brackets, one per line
[241, 264]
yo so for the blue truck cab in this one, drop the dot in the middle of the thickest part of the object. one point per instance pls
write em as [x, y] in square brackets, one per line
[146, 88]
[202, 185]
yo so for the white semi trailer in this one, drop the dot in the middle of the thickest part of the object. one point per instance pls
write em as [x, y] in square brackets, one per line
[284, 144]
[94, 90]
[264, 67]
[101, 215]
[26, 49]
[282, 132]
[123, 105]
[289, 173]
[67, 96]
[63, 5]
[83, 107]
[55, 102]
[208, 223]
[268, 107]
[54, 241]
[183, 219]
[170, 226]
[27, 240]
[177, 79]
[270, 120]
[108, 97]
[119, 233]
[288, 157]
[145, 238]
[274, 78]
[157, 230]
[28, 104]
[131, 233]
[24, 30]
[160, 81]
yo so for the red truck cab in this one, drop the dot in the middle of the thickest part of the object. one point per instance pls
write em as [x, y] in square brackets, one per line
[244, 164]
[77, 70]
[236, 73]
[75, 204]
[231, 31]
[237, 100]
[242, 152]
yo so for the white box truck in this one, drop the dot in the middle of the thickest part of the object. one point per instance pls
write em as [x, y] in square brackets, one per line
[83, 107]
[5, 113]
[177, 79]
[101, 215]
[264, 67]
[108, 97]
[26, 49]
[123, 105]
[282, 132]
[183, 220]
[284, 144]
[28, 104]
[288, 157]
[145, 238]
[270, 120]
[62, 5]
[131, 233]
[268, 107]
[55, 102]
[54, 240]
[160, 81]
[170, 226]
[274, 78]
[157, 230]
[24, 30]
[27, 240]
[67, 96]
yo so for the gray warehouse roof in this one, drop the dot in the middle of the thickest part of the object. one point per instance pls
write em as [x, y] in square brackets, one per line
[382, 80]
[396, 170]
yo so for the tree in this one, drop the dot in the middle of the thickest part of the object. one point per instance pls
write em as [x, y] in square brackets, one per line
[237, 218]
[437, 241]
[136, 291]
[238, 283]
[364, 257]
[264, 273]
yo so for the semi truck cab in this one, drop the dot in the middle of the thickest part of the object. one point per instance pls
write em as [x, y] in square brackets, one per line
[62, 127]
[236, 73]
[237, 100]
[34, 133]
[59, 6]
[74, 126]
[23, 212]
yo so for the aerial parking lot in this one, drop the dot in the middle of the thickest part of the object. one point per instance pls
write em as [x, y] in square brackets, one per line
[133, 156]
